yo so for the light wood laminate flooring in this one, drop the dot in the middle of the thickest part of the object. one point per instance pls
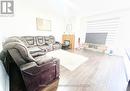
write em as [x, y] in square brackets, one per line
[93, 75]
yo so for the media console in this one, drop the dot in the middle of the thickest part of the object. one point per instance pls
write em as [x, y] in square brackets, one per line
[95, 47]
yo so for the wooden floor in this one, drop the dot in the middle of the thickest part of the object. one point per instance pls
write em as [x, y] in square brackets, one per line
[78, 80]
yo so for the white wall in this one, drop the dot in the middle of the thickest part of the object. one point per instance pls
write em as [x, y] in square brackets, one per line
[79, 28]
[26, 11]
[91, 7]
[24, 20]
[125, 29]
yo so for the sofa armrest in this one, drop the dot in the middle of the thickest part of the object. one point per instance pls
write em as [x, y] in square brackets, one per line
[28, 65]
[59, 45]
[32, 69]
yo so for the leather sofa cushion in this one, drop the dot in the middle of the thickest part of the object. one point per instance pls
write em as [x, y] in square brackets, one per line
[34, 49]
[56, 46]
[45, 47]
[47, 40]
[39, 53]
[43, 59]
[40, 40]
[50, 39]
[28, 65]
[30, 41]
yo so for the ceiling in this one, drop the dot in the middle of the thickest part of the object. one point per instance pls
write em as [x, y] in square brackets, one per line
[77, 7]
[88, 7]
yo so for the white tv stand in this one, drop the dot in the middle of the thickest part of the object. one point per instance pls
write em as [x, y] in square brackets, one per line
[95, 47]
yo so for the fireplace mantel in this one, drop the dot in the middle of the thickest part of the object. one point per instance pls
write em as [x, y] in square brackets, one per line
[71, 38]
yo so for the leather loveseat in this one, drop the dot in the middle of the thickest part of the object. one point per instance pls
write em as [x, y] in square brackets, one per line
[28, 66]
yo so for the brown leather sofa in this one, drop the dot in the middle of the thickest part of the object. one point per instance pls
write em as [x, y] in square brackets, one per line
[28, 66]
[46, 43]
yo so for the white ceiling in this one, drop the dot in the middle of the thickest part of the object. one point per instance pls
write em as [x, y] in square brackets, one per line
[77, 7]
[88, 7]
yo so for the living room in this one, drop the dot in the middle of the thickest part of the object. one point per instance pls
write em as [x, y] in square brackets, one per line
[87, 40]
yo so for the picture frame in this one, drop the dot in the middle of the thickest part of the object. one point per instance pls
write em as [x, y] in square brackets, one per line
[43, 24]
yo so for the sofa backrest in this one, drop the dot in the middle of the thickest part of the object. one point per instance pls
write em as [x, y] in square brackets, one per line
[16, 43]
[12, 39]
[40, 40]
[30, 41]
[52, 39]
[49, 39]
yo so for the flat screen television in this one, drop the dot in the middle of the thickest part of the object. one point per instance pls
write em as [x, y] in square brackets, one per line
[96, 38]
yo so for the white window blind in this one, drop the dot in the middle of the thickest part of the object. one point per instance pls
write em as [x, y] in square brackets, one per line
[109, 25]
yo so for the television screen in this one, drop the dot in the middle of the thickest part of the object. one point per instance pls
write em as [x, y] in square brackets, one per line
[96, 38]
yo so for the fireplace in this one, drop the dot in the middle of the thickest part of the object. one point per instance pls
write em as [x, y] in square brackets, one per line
[66, 44]
[68, 39]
